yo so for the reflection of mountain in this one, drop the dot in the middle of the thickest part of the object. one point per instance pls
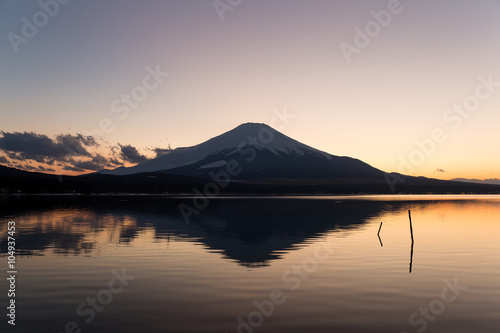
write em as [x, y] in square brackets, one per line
[254, 231]
[249, 231]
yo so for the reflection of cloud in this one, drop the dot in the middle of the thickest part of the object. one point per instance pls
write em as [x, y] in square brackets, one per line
[71, 231]
[251, 234]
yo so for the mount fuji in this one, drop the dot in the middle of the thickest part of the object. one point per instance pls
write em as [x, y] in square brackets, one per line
[256, 151]
[253, 158]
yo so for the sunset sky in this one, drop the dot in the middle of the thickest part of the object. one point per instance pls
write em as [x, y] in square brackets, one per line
[429, 73]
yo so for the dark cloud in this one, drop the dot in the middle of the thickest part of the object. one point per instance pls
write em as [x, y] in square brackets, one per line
[115, 161]
[98, 162]
[21, 157]
[99, 159]
[71, 152]
[28, 167]
[31, 145]
[41, 148]
[74, 145]
[130, 154]
[43, 169]
[13, 156]
[88, 165]
[440, 170]
[72, 168]
[161, 151]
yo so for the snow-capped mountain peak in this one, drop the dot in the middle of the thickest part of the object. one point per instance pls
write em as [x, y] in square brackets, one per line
[260, 137]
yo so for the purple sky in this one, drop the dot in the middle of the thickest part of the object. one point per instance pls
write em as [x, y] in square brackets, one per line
[265, 56]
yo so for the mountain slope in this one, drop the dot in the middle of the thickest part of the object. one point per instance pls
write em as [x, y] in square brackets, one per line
[492, 181]
[250, 159]
[258, 151]
[17, 181]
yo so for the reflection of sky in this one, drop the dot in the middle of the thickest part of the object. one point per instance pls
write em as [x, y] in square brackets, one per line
[190, 280]
[266, 54]
[250, 232]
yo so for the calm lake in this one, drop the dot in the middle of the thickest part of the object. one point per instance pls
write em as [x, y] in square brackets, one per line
[298, 264]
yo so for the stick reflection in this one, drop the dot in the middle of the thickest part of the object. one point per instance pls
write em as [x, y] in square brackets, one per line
[378, 234]
[412, 241]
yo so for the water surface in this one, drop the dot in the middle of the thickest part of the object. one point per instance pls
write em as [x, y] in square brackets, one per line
[303, 264]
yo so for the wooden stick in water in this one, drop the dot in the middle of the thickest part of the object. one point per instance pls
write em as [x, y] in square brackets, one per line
[411, 232]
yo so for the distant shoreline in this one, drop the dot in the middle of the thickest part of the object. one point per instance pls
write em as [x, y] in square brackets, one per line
[263, 196]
